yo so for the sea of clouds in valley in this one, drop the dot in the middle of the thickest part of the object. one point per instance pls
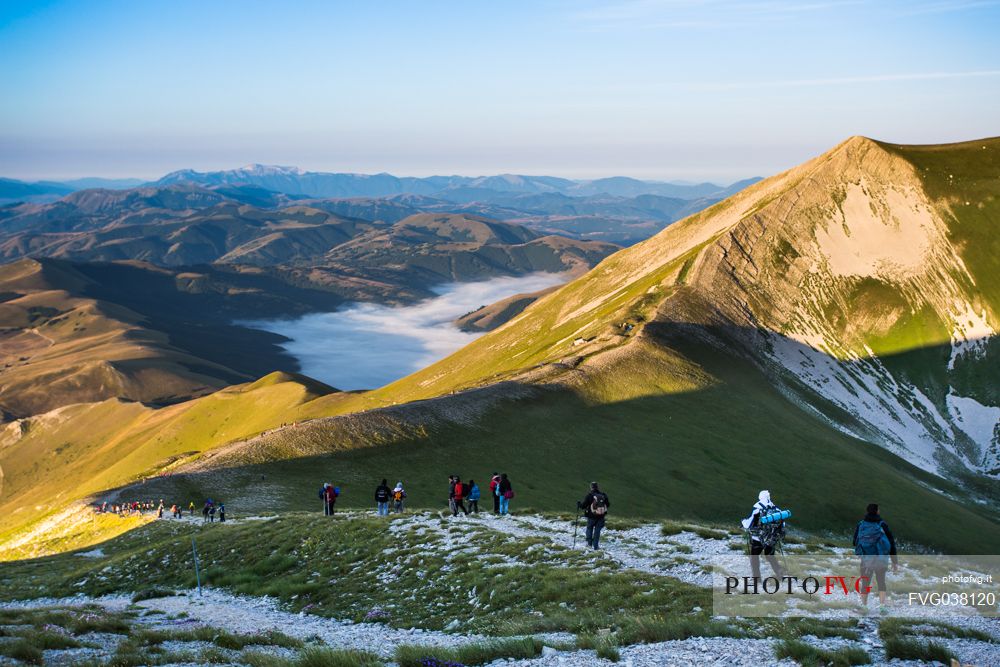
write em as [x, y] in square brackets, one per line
[366, 345]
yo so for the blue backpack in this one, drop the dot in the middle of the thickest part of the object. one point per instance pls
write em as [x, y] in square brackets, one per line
[872, 540]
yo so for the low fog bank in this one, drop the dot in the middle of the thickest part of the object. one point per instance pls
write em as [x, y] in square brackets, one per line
[364, 345]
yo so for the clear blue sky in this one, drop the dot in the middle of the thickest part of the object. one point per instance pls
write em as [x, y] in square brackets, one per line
[671, 89]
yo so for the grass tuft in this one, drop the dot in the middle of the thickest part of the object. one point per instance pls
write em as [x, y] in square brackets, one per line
[905, 648]
[811, 656]
[152, 593]
[470, 654]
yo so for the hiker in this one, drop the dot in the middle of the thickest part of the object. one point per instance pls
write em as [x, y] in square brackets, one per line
[595, 507]
[191, 508]
[222, 512]
[495, 491]
[204, 511]
[506, 492]
[458, 494]
[764, 538]
[330, 494]
[159, 511]
[173, 511]
[211, 513]
[473, 496]
[874, 542]
[398, 495]
[382, 495]
[451, 495]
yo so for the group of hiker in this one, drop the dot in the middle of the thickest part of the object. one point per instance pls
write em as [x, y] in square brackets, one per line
[384, 496]
[458, 492]
[873, 541]
[210, 510]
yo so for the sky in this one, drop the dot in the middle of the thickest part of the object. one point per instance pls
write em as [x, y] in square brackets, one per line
[657, 89]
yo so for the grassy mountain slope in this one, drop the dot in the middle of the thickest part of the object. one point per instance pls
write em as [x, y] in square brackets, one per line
[51, 460]
[679, 431]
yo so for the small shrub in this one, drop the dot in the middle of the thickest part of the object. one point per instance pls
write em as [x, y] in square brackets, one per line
[50, 639]
[237, 642]
[470, 654]
[811, 656]
[213, 656]
[653, 629]
[608, 651]
[152, 594]
[605, 645]
[914, 649]
[710, 534]
[24, 651]
[81, 625]
[327, 657]
[261, 659]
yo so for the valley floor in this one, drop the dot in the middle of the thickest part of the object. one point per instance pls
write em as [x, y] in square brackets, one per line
[360, 590]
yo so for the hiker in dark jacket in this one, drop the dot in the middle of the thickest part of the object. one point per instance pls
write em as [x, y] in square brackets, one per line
[222, 511]
[382, 495]
[595, 506]
[506, 492]
[495, 491]
[876, 545]
[451, 495]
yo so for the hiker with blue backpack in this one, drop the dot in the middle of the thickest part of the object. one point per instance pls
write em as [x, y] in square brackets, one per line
[473, 497]
[765, 533]
[875, 544]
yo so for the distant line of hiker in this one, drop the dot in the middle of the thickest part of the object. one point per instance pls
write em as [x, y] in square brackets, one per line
[138, 508]
[393, 499]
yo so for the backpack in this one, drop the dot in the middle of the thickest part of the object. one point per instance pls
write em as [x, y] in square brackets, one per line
[599, 505]
[382, 494]
[459, 490]
[872, 540]
[397, 495]
[322, 492]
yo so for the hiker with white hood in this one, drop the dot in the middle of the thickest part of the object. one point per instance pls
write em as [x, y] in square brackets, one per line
[764, 537]
[398, 495]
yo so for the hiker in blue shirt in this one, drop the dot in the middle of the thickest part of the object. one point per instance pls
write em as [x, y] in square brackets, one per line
[876, 545]
[473, 497]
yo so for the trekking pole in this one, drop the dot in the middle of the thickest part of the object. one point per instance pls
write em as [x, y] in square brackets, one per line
[197, 572]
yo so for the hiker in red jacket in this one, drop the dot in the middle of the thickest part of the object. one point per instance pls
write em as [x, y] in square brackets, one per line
[458, 493]
[330, 495]
[494, 483]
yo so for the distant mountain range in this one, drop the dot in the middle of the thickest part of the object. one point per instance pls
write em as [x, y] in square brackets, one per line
[296, 182]
[183, 225]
